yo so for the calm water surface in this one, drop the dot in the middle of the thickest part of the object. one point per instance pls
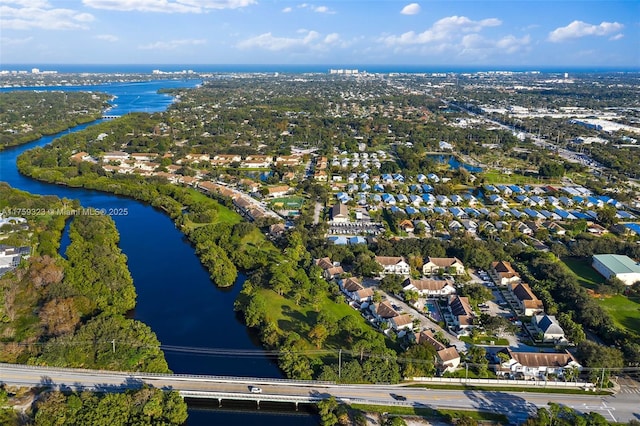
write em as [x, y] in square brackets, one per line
[176, 298]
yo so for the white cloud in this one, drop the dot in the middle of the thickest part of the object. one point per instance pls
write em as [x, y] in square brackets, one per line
[43, 4]
[107, 37]
[172, 44]
[40, 15]
[616, 37]
[317, 9]
[167, 6]
[6, 41]
[578, 29]
[308, 40]
[445, 29]
[332, 38]
[411, 9]
[457, 36]
[287, 10]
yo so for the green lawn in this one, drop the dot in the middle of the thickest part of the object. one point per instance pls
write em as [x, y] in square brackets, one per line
[225, 214]
[486, 340]
[625, 312]
[290, 317]
[587, 276]
[495, 177]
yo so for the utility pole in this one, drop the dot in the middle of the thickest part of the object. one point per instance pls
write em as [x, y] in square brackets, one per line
[602, 380]
[339, 364]
[113, 345]
[466, 372]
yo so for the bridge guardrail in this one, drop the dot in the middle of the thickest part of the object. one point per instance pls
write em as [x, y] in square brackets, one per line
[173, 376]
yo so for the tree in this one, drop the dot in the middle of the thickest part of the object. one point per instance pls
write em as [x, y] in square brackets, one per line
[419, 361]
[318, 335]
[327, 408]
[391, 284]
[350, 327]
[551, 169]
[607, 216]
[476, 355]
[255, 312]
[411, 296]
[295, 365]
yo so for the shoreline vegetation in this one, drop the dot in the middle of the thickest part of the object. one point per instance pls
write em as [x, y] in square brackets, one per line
[29, 115]
[65, 312]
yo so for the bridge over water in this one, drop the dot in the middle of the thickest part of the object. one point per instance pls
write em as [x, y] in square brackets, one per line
[517, 405]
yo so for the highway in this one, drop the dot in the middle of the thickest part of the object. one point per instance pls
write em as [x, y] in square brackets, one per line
[516, 405]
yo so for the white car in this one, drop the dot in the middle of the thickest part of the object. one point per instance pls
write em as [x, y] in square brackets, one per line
[255, 389]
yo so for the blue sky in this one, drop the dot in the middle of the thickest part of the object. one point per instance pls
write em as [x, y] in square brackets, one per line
[437, 32]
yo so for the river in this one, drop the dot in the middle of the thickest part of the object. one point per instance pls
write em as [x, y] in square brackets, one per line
[176, 298]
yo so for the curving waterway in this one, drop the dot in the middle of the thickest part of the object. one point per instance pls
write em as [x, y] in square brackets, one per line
[176, 298]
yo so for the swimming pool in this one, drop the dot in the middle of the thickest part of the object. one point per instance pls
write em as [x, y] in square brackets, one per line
[434, 312]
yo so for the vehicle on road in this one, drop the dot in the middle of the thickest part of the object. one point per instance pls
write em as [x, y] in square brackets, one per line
[398, 397]
[255, 389]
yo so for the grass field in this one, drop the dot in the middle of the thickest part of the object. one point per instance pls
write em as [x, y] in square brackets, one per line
[290, 317]
[625, 311]
[587, 276]
[225, 214]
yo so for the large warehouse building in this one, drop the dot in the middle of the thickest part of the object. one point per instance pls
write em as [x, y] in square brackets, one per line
[615, 265]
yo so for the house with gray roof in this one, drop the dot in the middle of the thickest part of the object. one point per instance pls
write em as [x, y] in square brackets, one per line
[549, 327]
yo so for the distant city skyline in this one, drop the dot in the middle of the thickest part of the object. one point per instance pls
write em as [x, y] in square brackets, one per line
[428, 33]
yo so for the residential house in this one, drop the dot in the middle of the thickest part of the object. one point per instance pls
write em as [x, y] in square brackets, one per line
[554, 228]
[503, 273]
[448, 358]
[278, 191]
[10, 257]
[549, 327]
[80, 156]
[470, 226]
[407, 226]
[595, 229]
[339, 213]
[330, 270]
[276, 230]
[393, 265]
[462, 312]
[355, 291]
[401, 322]
[455, 226]
[538, 364]
[115, 156]
[443, 200]
[430, 287]
[383, 311]
[449, 265]
[527, 301]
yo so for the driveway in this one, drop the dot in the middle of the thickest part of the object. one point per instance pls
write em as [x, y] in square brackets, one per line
[426, 323]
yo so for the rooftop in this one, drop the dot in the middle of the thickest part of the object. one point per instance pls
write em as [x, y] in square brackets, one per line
[617, 263]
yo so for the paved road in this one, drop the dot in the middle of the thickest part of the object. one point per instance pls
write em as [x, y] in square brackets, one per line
[426, 322]
[516, 405]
